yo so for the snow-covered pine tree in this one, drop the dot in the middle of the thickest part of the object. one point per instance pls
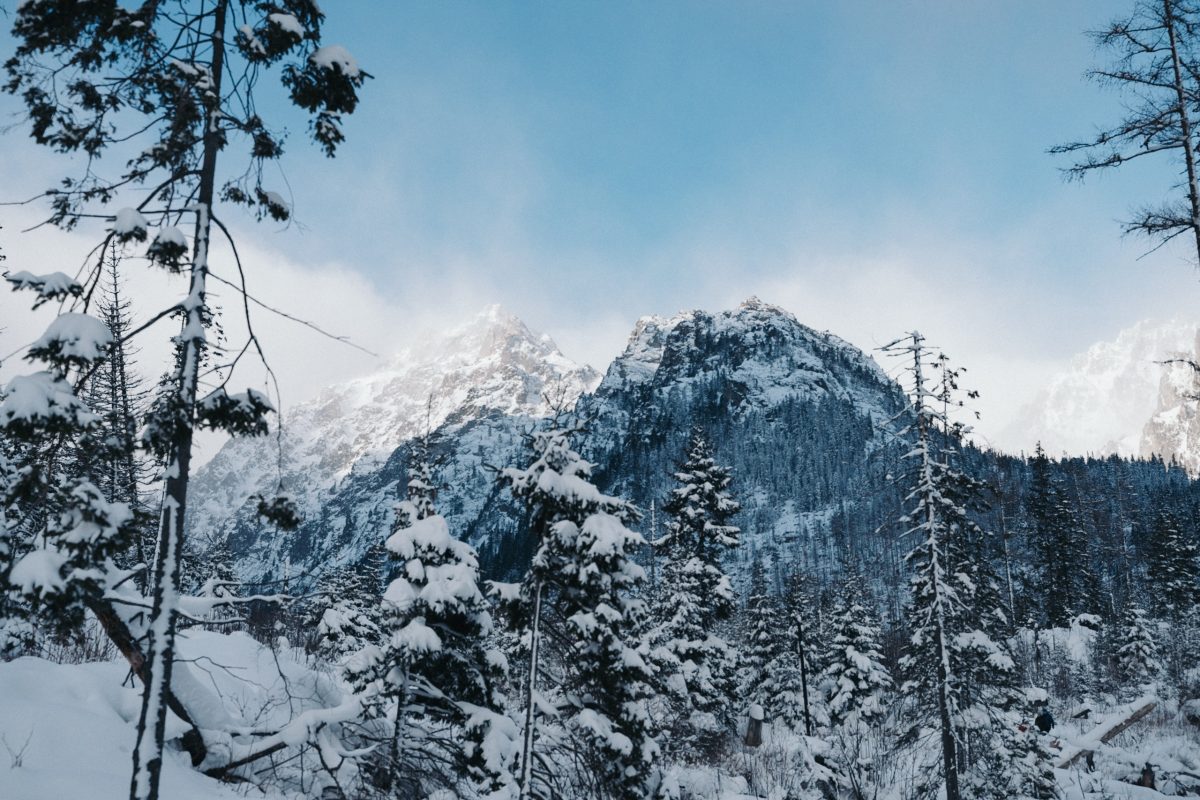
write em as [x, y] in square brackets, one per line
[344, 616]
[856, 686]
[931, 681]
[583, 578]
[763, 646]
[433, 675]
[174, 86]
[1136, 658]
[858, 681]
[16, 631]
[983, 684]
[61, 533]
[1007, 757]
[799, 662]
[1172, 569]
[955, 662]
[697, 593]
[219, 580]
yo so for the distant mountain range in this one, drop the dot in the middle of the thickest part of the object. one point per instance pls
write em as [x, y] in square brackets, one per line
[796, 413]
[1118, 397]
[493, 364]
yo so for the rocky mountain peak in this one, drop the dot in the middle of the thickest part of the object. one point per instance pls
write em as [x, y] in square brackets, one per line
[492, 363]
[1173, 431]
[1101, 402]
[760, 350]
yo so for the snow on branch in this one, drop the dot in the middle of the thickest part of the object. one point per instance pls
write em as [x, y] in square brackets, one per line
[72, 339]
[50, 287]
[241, 414]
[41, 400]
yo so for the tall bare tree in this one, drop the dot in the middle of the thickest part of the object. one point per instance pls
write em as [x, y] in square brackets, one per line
[1155, 67]
[168, 87]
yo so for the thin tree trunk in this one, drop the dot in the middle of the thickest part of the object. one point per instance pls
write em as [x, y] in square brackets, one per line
[530, 698]
[1012, 597]
[398, 731]
[147, 755]
[1185, 124]
[804, 679]
[949, 743]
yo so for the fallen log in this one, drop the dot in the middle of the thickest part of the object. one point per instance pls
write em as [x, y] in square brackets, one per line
[1107, 733]
[120, 635]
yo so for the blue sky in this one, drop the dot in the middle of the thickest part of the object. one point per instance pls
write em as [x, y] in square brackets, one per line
[873, 167]
[553, 150]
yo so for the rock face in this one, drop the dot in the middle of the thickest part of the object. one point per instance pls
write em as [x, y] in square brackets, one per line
[794, 412]
[1173, 431]
[1102, 402]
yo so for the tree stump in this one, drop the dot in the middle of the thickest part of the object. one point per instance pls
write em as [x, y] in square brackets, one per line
[754, 726]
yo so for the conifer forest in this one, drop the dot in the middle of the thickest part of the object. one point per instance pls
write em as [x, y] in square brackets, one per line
[245, 555]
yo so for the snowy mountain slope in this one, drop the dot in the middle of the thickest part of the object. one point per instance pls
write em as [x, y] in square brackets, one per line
[792, 410]
[1102, 401]
[762, 351]
[492, 364]
[1173, 431]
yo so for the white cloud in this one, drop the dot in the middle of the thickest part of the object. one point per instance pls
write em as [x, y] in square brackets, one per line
[337, 298]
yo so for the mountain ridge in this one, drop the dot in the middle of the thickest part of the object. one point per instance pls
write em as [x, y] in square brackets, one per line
[1102, 401]
[776, 396]
[494, 362]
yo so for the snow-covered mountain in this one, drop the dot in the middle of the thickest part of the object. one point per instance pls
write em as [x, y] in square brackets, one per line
[494, 363]
[793, 411]
[1102, 402]
[1173, 432]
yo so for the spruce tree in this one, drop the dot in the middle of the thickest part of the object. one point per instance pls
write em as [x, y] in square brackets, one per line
[799, 662]
[763, 644]
[583, 578]
[343, 616]
[859, 683]
[433, 674]
[1172, 569]
[697, 594]
[936, 607]
[1059, 544]
[61, 533]
[116, 393]
[16, 630]
[957, 661]
[1136, 652]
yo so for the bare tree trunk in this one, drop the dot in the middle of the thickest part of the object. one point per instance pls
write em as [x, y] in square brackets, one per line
[949, 741]
[802, 646]
[531, 699]
[1012, 596]
[147, 755]
[1185, 124]
[949, 744]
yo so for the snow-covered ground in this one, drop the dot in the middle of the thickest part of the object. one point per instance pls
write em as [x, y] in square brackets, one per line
[68, 732]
